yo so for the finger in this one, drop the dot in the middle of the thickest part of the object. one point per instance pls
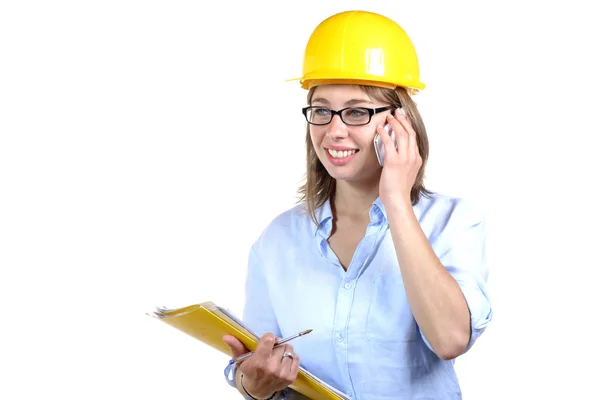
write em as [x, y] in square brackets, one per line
[278, 351]
[277, 357]
[292, 373]
[401, 136]
[413, 148]
[295, 365]
[237, 347]
[386, 139]
[265, 346]
[286, 362]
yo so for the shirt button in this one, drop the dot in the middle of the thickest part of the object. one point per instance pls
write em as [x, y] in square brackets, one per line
[340, 338]
[348, 285]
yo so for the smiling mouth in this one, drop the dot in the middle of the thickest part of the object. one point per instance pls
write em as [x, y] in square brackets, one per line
[341, 153]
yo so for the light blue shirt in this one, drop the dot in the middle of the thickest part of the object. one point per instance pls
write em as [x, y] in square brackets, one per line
[365, 340]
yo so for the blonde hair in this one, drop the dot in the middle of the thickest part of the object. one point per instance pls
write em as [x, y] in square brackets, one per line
[319, 186]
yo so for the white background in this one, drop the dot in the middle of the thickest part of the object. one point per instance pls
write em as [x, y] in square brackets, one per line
[134, 171]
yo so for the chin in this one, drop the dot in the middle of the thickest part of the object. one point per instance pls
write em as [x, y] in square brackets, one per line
[364, 175]
[345, 174]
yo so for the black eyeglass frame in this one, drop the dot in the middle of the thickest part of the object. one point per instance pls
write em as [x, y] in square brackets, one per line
[371, 111]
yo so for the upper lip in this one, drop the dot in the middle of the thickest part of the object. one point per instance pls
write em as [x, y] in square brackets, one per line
[340, 148]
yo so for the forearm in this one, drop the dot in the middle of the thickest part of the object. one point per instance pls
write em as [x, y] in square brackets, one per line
[435, 298]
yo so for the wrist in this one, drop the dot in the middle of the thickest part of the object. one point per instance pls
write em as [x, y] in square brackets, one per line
[254, 397]
[398, 205]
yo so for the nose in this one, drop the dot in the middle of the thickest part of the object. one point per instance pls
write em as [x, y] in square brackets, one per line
[337, 129]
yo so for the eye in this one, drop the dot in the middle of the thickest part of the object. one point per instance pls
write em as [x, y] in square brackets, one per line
[321, 112]
[356, 112]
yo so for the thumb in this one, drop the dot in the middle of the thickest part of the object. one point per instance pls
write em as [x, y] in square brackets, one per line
[237, 347]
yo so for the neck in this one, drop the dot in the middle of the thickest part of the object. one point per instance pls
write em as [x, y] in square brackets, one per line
[355, 198]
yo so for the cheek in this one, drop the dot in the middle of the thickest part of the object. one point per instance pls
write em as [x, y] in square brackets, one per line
[366, 143]
[316, 135]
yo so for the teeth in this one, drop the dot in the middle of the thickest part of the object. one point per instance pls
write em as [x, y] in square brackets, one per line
[340, 153]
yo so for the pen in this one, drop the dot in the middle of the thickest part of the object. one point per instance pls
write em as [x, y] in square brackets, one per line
[283, 341]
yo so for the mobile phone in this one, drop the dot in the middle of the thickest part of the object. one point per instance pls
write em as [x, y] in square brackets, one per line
[378, 143]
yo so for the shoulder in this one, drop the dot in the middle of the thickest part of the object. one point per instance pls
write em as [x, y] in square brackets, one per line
[292, 225]
[292, 219]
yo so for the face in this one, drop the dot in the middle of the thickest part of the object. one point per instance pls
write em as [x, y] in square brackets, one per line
[346, 152]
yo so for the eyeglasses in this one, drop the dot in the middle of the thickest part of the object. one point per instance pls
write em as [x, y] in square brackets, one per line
[353, 116]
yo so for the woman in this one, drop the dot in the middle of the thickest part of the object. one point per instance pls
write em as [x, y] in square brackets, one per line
[390, 276]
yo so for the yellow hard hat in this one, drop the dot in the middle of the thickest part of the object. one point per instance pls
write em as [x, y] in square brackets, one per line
[360, 47]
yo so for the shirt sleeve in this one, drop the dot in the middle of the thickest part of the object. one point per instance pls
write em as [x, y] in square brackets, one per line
[462, 252]
[258, 311]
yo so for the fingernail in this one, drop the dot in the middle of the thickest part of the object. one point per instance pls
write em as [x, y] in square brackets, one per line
[380, 126]
[390, 116]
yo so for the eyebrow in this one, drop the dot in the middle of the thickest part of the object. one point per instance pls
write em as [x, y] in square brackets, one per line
[349, 103]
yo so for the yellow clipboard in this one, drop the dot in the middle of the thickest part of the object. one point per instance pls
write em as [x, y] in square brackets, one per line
[208, 323]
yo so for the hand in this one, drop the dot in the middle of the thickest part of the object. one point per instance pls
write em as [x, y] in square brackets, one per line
[266, 371]
[400, 165]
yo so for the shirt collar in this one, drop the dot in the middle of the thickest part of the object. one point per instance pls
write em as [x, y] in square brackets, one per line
[377, 214]
[324, 217]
